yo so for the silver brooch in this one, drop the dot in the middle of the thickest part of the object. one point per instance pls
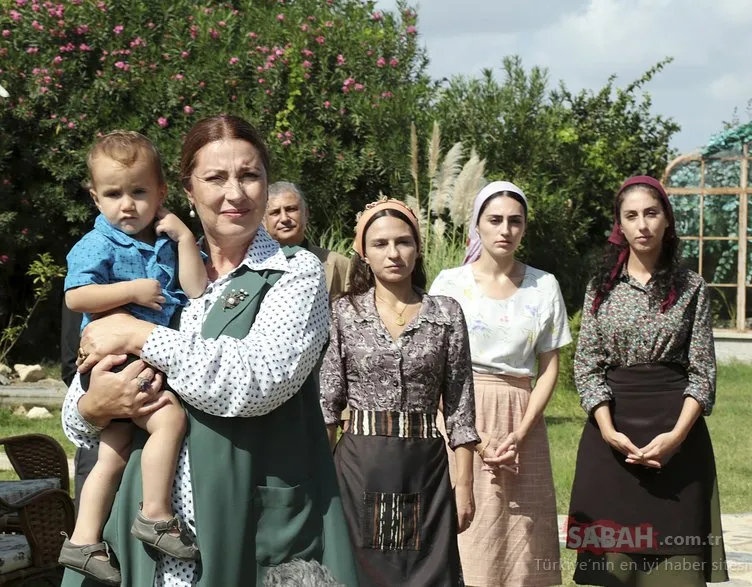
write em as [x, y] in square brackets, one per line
[233, 298]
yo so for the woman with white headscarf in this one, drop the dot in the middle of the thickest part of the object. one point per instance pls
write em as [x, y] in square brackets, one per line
[515, 316]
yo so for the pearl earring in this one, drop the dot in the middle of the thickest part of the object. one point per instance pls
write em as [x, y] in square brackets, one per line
[192, 212]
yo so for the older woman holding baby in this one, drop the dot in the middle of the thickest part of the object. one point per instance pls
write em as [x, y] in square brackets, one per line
[255, 482]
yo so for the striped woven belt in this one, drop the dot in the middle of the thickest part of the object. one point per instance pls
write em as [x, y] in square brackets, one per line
[399, 424]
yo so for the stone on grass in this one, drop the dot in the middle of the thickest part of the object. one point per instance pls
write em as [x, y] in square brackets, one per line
[29, 373]
[37, 413]
[19, 411]
[5, 370]
[4, 380]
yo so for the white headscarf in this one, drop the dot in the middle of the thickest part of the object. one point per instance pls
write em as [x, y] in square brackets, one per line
[474, 246]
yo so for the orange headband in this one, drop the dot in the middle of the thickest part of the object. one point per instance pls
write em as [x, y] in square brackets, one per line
[371, 209]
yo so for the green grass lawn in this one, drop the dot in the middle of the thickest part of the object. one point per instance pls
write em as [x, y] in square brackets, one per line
[11, 425]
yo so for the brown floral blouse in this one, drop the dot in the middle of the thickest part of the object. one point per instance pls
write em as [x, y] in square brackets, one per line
[629, 329]
[367, 370]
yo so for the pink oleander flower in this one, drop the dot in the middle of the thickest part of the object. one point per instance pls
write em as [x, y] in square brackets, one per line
[234, 60]
[329, 24]
[320, 40]
[84, 47]
[82, 29]
[15, 15]
[118, 29]
[259, 69]
[214, 33]
[6, 33]
[71, 125]
[44, 90]
[280, 17]
[411, 30]
[121, 64]
[307, 64]
[307, 52]
[57, 60]
[21, 2]
[163, 122]
[194, 31]
[35, 24]
[233, 98]
[358, 87]
[386, 94]
[32, 50]
[261, 80]
[184, 54]
[393, 62]
[304, 28]
[188, 109]
[377, 16]
[380, 62]
[201, 84]
[4, 258]
[222, 23]
[138, 42]
[179, 77]
[311, 17]
[306, 75]
[252, 35]
[340, 59]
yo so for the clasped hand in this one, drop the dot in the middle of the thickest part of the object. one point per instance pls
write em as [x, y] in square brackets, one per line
[655, 454]
[503, 457]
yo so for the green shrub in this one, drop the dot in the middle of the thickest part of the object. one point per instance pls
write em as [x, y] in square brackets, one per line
[333, 86]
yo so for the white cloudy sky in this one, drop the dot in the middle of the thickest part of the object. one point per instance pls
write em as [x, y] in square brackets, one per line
[582, 42]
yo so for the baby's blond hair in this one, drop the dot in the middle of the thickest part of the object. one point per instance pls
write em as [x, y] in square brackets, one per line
[125, 147]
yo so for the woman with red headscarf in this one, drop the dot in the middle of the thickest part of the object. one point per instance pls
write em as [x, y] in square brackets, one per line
[644, 509]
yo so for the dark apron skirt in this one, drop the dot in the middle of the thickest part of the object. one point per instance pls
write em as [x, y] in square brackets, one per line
[628, 509]
[394, 480]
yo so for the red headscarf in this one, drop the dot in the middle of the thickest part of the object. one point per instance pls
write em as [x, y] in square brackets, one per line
[617, 238]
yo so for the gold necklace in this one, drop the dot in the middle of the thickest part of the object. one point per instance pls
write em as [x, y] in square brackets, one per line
[400, 321]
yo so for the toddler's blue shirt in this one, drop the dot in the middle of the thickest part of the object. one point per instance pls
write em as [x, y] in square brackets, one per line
[107, 255]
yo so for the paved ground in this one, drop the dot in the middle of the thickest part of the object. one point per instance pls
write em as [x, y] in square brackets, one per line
[737, 538]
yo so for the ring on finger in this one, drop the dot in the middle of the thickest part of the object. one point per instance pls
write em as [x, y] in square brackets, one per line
[81, 354]
[143, 383]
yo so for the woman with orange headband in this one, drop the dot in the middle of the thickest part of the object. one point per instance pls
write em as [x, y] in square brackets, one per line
[395, 354]
[644, 509]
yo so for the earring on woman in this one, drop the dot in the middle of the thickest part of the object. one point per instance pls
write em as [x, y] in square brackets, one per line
[192, 212]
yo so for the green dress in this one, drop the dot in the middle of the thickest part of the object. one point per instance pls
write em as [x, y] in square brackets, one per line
[264, 488]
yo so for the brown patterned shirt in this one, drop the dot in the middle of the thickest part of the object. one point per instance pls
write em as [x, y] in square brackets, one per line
[629, 329]
[367, 370]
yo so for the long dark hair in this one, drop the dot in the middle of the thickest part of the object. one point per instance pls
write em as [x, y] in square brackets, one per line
[667, 270]
[361, 276]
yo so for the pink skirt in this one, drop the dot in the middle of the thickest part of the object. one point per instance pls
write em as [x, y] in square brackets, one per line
[513, 539]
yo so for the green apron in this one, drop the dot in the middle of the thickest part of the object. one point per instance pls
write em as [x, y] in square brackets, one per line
[264, 488]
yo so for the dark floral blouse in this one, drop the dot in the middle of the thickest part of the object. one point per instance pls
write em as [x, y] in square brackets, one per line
[367, 370]
[629, 329]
